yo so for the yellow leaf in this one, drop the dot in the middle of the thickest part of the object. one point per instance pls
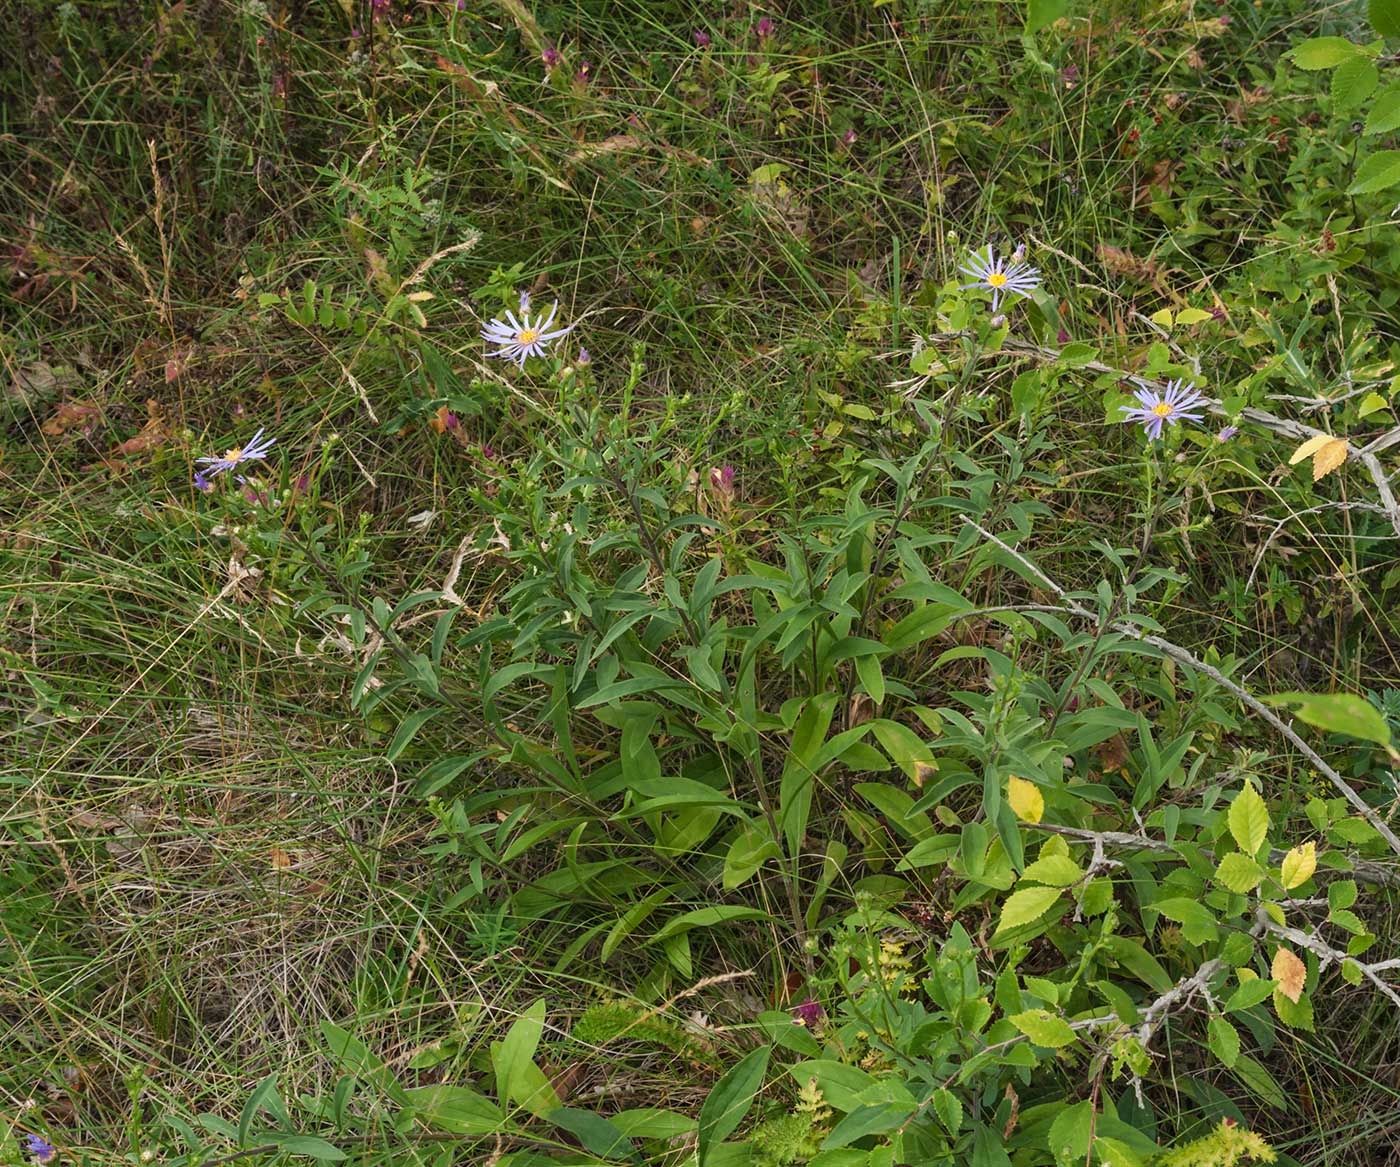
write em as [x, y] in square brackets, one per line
[1026, 801]
[1370, 403]
[1164, 318]
[1299, 864]
[1309, 448]
[1191, 316]
[1290, 973]
[1327, 459]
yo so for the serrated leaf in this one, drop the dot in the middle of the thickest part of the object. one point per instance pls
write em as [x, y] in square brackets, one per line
[1341, 893]
[1380, 171]
[1289, 973]
[1352, 83]
[1249, 994]
[1053, 871]
[1025, 800]
[1043, 1028]
[1239, 873]
[1249, 820]
[1025, 906]
[1299, 865]
[1385, 112]
[1351, 972]
[1224, 1041]
[1371, 403]
[1295, 1014]
[1349, 920]
[949, 1108]
[1324, 52]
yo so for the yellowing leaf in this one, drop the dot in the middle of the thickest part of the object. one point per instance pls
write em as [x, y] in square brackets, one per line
[1370, 403]
[1191, 316]
[1027, 803]
[1299, 864]
[1327, 459]
[1309, 448]
[1249, 820]
[1290, 973]
[1164, 318]
[1326, 452]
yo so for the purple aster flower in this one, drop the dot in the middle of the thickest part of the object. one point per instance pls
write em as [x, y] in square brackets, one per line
[583, 357]
[702, 38]
[1169, 407]
[1227, 433]
[40, 1148]
[808, 1014]
[255, 450]
[522, 338]
[1001, 277]
[202, 483]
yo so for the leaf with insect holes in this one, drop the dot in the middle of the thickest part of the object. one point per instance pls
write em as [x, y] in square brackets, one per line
[1043, 1028]
[1326, 452]
[1239, 873]
[1025, 800]
[1249, 820]
[1290, 973]
[1298, 865]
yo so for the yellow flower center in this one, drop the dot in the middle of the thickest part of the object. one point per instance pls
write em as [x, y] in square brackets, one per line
[527, 336]
[1162, 409]
[996, 280]
[234, 454]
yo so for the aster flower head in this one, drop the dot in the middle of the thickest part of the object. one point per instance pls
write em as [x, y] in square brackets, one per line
[40, 1148]
[1171, 406]
[1227, 433]
[201, 483]
[584, 358]
[518, 339]
[255, 450]
[1001, 277]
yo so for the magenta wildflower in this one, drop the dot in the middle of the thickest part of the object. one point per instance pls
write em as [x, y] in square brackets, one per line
[1217, 313]
[488, 452]
[551, 57]
[808, 1014]
[1172, 406]
[1069, 75]
[584, 69]
[40, 1148]
[379, 8]
[848, 138]
[1062, 337]
[764, 28]
[722, 481]
[702, 38]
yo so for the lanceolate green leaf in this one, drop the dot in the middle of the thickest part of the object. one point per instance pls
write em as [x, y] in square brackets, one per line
[730, 1101]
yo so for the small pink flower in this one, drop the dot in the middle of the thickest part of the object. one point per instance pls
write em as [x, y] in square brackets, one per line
[702, 38]
[583, 358]
[551, 57]
[1062, 337]
[1217, 313]
[722, 481]
[848, 138]
[808, 1014]
[764, 28]
[489, 453]
[584, 70]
